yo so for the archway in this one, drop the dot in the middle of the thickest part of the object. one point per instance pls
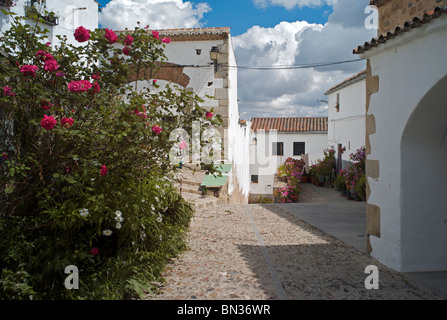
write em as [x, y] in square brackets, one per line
[424, 183]
[166, 71]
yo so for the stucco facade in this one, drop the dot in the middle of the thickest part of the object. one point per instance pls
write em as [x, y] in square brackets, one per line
[407, 146]
[68, 15]
[346, 116]
[264, 156]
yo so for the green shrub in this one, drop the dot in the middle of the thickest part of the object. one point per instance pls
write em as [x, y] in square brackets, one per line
[85, 173]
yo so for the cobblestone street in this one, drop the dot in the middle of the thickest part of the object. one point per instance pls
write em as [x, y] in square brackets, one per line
[263, 252]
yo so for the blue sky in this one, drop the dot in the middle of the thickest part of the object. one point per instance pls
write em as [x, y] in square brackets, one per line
[241, 15]
[267, 33]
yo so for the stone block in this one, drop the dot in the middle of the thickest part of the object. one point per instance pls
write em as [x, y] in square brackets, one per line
[373, 220]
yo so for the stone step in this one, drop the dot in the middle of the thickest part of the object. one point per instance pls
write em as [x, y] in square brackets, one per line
[200, 201]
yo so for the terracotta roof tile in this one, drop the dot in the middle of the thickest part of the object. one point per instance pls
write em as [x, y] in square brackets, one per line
[291, 124]
[409, 25]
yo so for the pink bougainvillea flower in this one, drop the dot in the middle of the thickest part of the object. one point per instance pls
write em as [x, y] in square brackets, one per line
[209, 115]
[95, 88]
[48, 44]
[60, 74]
[154, 81]
[156, 129]
[155, 34]
[111, 36]
[7, 91]
[82, 34]
[29, 70]
[51, 65]
[46, 105]
[48, 122]
[104, 171]
[182, 145]
[67, 122]
[126, 50]
[79, 86]
[94, 251]
[96, 76]
[166, 40]
[128, 40]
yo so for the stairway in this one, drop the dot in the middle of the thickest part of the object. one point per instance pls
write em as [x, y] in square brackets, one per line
[191, 178]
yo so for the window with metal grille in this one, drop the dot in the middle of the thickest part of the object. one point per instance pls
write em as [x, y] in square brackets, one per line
[299, 148]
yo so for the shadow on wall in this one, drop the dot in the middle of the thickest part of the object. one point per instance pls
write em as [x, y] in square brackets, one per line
[423, 183]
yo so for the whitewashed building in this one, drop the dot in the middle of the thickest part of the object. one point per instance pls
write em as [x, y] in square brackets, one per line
[273, 140]
[61, 17]
[346, 117]
[406, 135]
[202, 60]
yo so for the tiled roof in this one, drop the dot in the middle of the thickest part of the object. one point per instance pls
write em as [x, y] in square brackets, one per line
[409, 25]
[190, 34]
[290, 124]
[355, 78]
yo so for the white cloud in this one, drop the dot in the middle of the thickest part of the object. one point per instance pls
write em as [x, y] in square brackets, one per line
[291, 4]
[296, 92]
[158, 14]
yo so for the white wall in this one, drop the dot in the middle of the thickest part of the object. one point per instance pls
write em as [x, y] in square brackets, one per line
[412, 237]
[347, 127]
[69, 17]
[315, 143]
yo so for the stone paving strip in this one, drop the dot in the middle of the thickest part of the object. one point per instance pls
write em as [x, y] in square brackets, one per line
[261, 252]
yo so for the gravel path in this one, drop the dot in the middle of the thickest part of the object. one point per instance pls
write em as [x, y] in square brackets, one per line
[254, 252]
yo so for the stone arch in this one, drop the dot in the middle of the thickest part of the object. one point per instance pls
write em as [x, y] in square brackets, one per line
[424, 183]
[165, 71]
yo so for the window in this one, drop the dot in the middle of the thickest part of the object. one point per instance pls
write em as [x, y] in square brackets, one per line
[299, 148]
[254, 178]
[278, 148]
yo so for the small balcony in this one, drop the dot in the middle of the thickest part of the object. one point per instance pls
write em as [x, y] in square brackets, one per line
[6, 3]
[32, 12]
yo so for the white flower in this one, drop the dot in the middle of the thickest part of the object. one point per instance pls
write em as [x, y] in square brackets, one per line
[156, 198]
[107, 232]
[118, 213]
[83, 212]
[119, 218]
[159, 219]
[161, 238]
[118, 225]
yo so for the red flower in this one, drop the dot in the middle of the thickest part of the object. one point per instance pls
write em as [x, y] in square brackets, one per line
[46, 105]
[29, 70]
[156, 129]
[94, 251]
[67, 122]
[7, 91]
[79, 86]
[104, 170]
[128, 40]
[96, 76]
[81, 34]
[51, 65]
[209, 115]
[95, 88]
[48, 122]
[166, 40]
[155, 34]
[126, 51]
[111, 36]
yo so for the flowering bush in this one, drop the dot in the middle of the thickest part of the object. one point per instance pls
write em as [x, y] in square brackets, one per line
[291, 171]
[84, 180]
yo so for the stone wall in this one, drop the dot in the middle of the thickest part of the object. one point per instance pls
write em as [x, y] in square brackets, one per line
[393, 13]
